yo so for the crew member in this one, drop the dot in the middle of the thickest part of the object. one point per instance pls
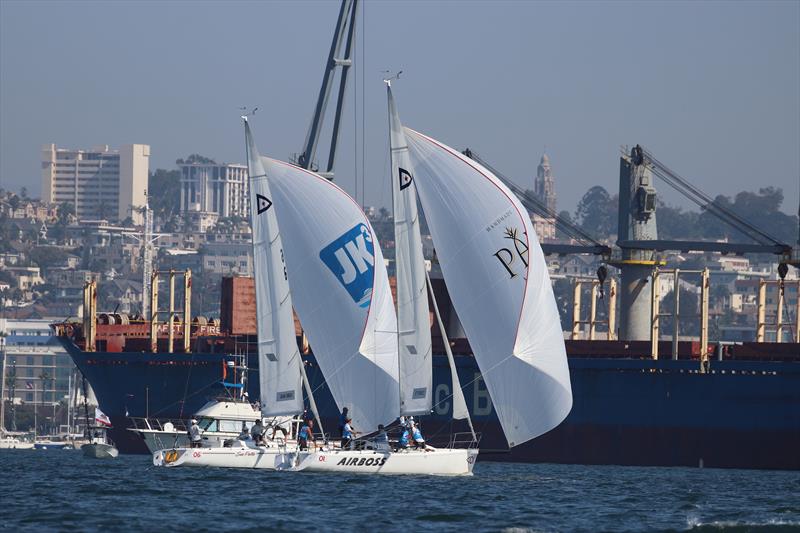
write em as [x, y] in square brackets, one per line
[258, 432]
[195, 438]
[305, 434]
[342, 421]
[419, 442]
[382, 439]
[276, 426]
[347, 434]
[402, 442]
[245, 434]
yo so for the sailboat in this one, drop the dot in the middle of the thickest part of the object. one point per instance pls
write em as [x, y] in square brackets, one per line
[99, 445]
[281, 372]
[414, 344]
[496, 275]
[495, 271]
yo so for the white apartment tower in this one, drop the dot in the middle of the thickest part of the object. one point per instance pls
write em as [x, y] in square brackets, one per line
[208, 187]
[100, 183]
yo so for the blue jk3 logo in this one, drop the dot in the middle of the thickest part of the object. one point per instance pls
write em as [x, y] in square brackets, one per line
[351, 258]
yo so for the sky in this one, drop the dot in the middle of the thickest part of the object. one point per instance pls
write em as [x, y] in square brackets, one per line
[711, 88]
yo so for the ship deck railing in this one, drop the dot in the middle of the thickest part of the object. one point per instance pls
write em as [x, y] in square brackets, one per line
[158, 424]
[464, 440]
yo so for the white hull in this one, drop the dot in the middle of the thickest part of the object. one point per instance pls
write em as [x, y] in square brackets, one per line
[272, 458]
[14, 444]
[443, 461]
[159, 440]
[98, 450]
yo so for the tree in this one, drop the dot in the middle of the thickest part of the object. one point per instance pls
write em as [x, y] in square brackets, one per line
[66, 211]
[675, 223]
[24, 193]
[196, 158]
[597, 212]
[47, 256]
[761, 209]
[164, 192]
[565, 216]
[689, 310]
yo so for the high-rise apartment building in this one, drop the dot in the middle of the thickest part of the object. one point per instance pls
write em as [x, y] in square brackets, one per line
[209, 187]
[101, 183]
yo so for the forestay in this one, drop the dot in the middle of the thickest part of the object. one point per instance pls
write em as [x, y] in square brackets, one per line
[413, 316]
[341, 292]
[278, 355]
[498, 281]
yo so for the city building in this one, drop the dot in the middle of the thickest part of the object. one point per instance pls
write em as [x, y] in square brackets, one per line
[209, 187]
[101, 183]
[544, 188]
[37, 368]
[227, 258]
[544, 185]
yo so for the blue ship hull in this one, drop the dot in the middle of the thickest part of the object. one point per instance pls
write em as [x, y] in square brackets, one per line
[625, 412]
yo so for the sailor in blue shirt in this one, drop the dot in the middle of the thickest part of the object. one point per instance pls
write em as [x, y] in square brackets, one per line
[342, 421]
[347, 434]
[305, 434]
[402, 442]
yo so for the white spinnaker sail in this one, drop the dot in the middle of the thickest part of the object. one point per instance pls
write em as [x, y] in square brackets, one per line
[341, 293]
[278, 356]
[497, 278]
[413, 315]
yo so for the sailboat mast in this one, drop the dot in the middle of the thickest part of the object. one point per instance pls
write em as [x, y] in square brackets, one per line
[458, 394]
[310, 394]
[86, 431]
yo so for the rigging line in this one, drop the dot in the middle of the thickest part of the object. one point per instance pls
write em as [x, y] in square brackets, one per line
[363, 104]
[535, 204]
[705, 196]
[356, 72]
[203, 388]
[747, 229]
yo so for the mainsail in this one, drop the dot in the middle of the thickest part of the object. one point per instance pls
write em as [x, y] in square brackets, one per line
[341, 292]
[498, 281]
[413, 316]
[278, 356]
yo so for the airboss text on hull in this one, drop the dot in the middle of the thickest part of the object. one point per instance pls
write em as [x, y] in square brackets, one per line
[362, 461]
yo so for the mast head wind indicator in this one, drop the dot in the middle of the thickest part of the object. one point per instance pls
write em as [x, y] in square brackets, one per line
[388, 79]
[246, 114]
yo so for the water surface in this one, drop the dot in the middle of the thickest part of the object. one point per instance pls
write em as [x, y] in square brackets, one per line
[62, 490]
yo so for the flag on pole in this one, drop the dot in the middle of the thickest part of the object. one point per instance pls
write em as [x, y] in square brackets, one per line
[28, 385]
[101, 418]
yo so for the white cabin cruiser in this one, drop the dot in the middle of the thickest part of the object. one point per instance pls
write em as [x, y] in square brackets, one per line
[273, 454]
[220, 421]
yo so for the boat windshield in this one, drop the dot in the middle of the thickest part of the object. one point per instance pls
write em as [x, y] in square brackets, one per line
[208, 424]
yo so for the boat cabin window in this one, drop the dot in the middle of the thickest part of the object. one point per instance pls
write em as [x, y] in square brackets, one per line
[208, 424]
[232, 426]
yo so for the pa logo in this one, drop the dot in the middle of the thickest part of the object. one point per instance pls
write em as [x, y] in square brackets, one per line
[262, 203]
[405, 178]
[351, 259]
[508, 257]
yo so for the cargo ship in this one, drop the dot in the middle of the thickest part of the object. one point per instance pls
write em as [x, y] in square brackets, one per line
[737, 408]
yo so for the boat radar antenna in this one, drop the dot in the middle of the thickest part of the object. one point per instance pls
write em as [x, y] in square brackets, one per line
[388, 79]
[246, 114]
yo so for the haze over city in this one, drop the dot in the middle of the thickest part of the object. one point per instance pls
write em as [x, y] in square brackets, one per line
[713, 88]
